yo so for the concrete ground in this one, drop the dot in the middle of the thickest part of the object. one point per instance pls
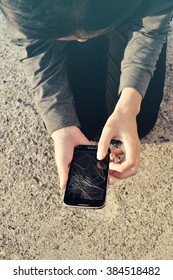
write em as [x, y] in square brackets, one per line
[137, 222]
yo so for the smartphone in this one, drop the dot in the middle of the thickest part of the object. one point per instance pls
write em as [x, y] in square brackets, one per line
[88, 178]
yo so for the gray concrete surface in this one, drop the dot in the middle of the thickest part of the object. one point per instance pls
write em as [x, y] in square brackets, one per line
[137, 222]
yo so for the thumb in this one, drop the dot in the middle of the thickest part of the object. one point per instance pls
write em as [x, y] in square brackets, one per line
[104, 143]
[63, 161]
[63, 170]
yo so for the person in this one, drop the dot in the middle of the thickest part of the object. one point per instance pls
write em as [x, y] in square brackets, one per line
[97, 69]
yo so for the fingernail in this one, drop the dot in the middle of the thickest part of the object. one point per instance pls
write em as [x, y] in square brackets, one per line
[62, 187]
[99, 155]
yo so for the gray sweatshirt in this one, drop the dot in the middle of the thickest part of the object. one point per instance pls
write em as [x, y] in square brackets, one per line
[44, 63]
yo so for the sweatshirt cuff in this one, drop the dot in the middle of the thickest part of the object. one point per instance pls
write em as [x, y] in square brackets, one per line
[59, 117]
[135, 78]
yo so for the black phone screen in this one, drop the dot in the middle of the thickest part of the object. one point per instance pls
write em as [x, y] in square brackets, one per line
[87, 182]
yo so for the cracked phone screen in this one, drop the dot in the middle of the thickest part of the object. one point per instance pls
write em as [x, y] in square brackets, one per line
[87, 181]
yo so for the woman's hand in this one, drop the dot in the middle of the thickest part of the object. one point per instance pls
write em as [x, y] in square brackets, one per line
[122, 125]
[65, 140]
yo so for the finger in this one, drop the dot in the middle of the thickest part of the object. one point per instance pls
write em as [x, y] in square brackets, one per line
[104, 143]
[128, 165]
[63, 159]
[115, 154]
[63, 171]
[111, 180]
[124, 169]
[124, 175]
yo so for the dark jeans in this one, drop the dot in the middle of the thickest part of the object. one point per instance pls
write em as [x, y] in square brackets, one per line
[93, 71]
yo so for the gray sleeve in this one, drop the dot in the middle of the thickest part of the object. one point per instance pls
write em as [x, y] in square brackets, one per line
[148, 32]
[45, 70]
